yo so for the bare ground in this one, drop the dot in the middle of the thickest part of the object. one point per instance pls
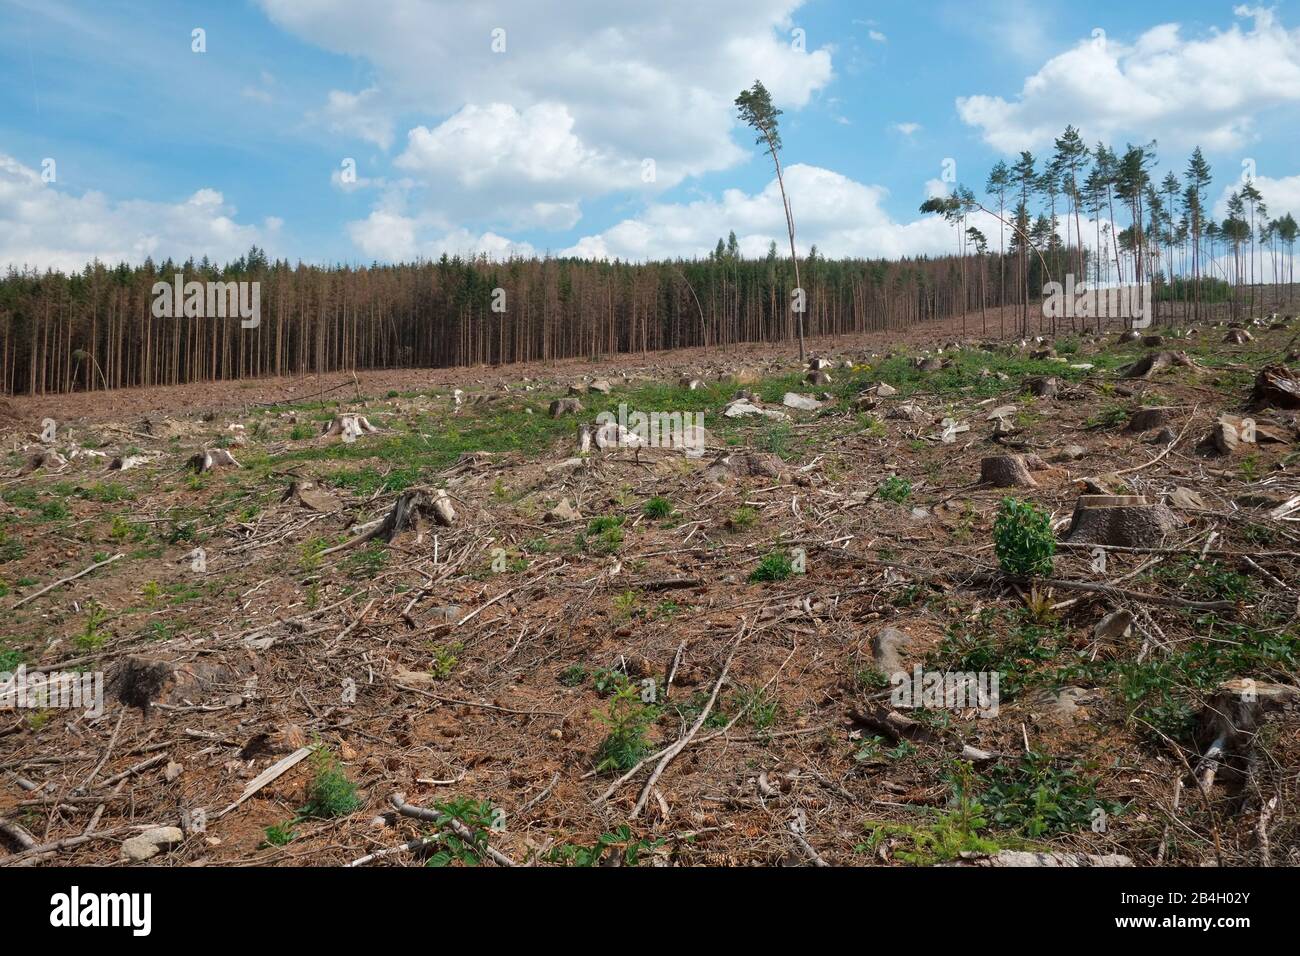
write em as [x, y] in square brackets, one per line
[490, 683]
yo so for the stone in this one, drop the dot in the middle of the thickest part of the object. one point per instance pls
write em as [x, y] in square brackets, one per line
[601, 386]
[1223, 438]
[1071, 453]
[885, 390]
[1114, 625]
[804, 403]
[150, 843]
[891, 650]
[563, 511]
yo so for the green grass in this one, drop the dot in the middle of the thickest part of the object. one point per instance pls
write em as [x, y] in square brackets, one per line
[774, 566]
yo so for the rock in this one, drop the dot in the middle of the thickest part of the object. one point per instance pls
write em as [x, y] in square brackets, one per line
[150, 843]
[1187, 500]
[1127, 521]
[804, 403]
[565, 406]
[891, 650]
[1002, 411]
[578, 389]
[908, 412]
[172, 771]
[1148, 419]
[563, 511]
[1114, 625]
[1006, 471]
[1223, 438]
[885, 390]
[1070, 453]
[1276, 386]
[601, 386]
[743, 409]
[746, 464]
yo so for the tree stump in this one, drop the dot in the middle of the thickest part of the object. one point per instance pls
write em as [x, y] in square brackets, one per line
[1276, 386]
[1154, 362]
[1006, 471]
[1148, 419]
[349, 427]
[211, 458]
[1125, 521]
[1044, 386]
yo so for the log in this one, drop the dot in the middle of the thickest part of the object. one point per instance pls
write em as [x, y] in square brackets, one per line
[1149, 419]
[1128, 521]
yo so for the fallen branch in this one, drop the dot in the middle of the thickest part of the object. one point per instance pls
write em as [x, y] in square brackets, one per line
[59, 583]
[447, 820]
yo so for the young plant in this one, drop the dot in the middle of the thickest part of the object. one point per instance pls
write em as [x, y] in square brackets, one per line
[628, 719]
[775, 566]
[1022, 539]
[330, 793]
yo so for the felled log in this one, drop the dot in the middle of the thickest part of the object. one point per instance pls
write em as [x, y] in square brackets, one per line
[1128, 521]
[1006, 471]
[211, 458]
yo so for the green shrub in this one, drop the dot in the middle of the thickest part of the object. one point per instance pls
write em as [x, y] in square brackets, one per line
[775, 566]
[330, 793]
[895, 488]
[1022, 539]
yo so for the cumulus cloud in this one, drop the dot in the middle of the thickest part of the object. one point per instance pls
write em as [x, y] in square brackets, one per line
[389, 236]
[1281, 196]
[839, 216]
[538, 116]
[43, 227]
[1181, 91]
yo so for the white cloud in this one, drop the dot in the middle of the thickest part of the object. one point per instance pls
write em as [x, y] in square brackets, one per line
[44, 227]
[877, 37]
[564, 113]
[838, 215]
[392, 237]
[907, 129]
[1180, 91]
[1281, 196]
[364, 115]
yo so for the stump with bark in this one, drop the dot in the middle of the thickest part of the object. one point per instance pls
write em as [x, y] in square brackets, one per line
[211, 458]
[1149, 419]
[1276, 386]
[1127, 521]
[349, 427]
[1006, 471]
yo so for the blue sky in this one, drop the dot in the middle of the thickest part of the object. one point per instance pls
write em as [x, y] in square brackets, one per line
[542, 145]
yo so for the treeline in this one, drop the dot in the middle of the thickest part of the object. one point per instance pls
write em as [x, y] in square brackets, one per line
[1143, 228]
[97, 329]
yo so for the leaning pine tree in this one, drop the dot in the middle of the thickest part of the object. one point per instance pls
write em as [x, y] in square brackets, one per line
[757, 112]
